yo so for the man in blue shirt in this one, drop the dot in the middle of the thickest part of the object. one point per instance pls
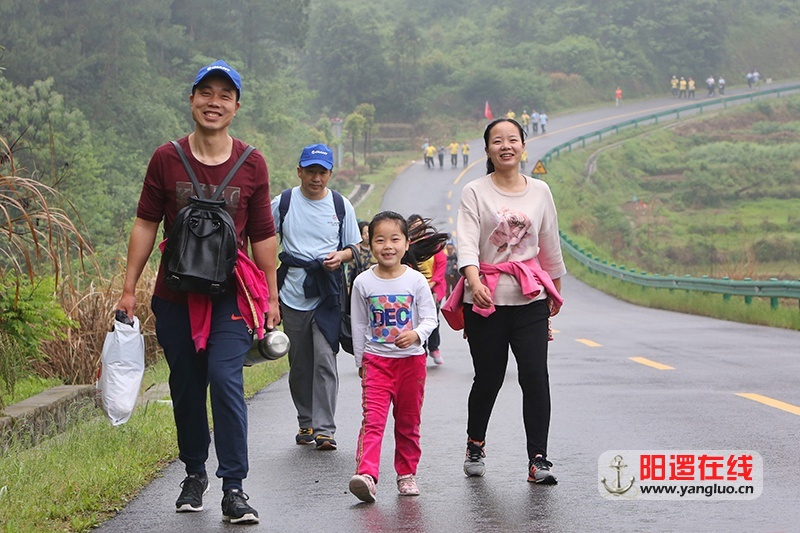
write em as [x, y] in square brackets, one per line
[315, 245]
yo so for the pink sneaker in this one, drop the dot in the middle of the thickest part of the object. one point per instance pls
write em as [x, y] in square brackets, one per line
[407, 485]
[437, 357]
[363, 487]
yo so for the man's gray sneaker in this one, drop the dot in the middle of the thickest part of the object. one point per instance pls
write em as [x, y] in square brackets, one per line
[473, 464]
[192, 490]
[539, 471]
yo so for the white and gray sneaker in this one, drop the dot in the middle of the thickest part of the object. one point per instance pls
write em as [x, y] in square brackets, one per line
[473, 464]
[539, 471]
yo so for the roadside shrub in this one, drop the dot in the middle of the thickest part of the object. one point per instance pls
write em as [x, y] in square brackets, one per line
[30, 313]
[29, 316]
[694, 253]
[393, 145]
[346, 175]
[776, 248]
[375, 161]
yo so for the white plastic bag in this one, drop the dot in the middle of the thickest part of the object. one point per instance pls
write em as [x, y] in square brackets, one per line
[122, 368]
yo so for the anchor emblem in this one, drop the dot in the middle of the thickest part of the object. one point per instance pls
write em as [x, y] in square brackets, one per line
[616, 486]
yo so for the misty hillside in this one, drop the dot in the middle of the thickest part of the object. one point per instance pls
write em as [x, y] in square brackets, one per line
[89, 89]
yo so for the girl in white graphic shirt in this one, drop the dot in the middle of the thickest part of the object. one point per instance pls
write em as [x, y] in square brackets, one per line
[393, 313]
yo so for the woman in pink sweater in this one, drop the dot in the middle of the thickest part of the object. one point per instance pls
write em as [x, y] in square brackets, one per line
[510, 257]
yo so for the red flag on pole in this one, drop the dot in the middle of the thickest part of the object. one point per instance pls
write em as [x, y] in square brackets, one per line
[487, 111]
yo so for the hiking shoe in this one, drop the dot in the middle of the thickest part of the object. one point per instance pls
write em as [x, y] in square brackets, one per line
[325, 442]
[539, 471]
[437, 357]
[473, 464]
[407, 485]
[192, 490]
[304, 436]
[236, 510]
[363, 487]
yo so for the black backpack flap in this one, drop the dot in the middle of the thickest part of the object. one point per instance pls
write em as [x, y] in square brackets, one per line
[201, 249]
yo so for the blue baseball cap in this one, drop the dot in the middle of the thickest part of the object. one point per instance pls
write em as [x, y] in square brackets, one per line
[220, 67]
[317, 154]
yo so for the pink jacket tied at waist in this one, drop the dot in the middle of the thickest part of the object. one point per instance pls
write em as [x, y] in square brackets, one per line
[529, 274]
[252, 295]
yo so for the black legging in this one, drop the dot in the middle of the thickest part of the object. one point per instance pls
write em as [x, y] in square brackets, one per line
[524, 328]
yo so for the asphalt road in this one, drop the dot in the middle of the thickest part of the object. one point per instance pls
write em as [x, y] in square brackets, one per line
[602, 400]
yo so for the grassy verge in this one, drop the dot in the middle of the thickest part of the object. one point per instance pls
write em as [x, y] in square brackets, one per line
[76, 480]
[26, 387]
[704, 304]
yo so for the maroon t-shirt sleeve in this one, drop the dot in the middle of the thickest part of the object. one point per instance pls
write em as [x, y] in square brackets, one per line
[260, 225]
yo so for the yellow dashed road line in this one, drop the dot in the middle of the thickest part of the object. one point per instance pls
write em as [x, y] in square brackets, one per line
[587, 342]
[650, 363]
[777, 404]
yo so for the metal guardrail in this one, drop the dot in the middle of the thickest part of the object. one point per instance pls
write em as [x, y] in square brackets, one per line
[773, 289]
[654, 117]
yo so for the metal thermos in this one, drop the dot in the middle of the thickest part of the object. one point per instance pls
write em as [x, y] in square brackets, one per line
[274, 345]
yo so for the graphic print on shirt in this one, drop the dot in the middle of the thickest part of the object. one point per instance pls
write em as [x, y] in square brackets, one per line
[511, 231]
[390, 315]
[184, 190]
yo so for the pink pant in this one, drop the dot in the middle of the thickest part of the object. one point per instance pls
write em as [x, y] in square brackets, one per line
[400, 382]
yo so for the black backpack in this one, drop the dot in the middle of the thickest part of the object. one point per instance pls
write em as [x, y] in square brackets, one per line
[345, 330]
[202, 246]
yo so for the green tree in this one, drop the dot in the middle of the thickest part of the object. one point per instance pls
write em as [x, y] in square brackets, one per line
[345, 61]
[52, 143]
[368, 112]
[271, 32]
[354, 126]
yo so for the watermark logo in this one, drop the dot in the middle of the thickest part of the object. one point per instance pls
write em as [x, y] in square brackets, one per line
[680, 474]
[616, 487]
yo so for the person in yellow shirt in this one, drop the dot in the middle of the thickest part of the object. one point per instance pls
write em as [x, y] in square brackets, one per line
[525, 120]
[511, 114]
[523, 159]
[453, 154]
[465, 153]
[430, 151]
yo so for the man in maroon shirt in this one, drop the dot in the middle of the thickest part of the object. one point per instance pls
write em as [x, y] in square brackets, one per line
[211, 152]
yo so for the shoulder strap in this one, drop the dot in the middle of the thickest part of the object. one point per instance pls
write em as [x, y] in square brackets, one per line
[198, 188]
[218, 193]
[338, 205]
[283, 207]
